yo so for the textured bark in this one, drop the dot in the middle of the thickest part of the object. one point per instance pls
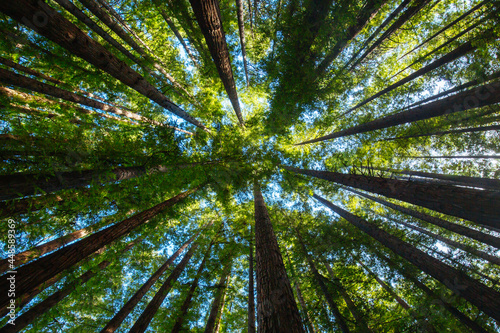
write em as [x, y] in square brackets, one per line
[423, 323]
[453, 227]
[251, 298]
[339, 319]
[216, 308]
[446, 27]
[485, 298]
[454, 131]
[61, 31]
[470, 99]
[36, 311]
[358, 316]
[209, 19]
[14, 65]
[241, 28]
[33, 274]
[128, 307]
[276, 307]
[475, 327]
[474, 205]
[23, 206]
[481, 254]
[369, 10]
[303, 306]
[379, 29]
[410, 11]
[194, 285]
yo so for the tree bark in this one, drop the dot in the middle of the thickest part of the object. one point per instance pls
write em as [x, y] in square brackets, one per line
[453, 227]
[475, 327]
[485, 298]
[241, 28]
[423, 323]
[128, 307]
[251, 298]
[36, 311]
[475, 205]
[33, 274]
[61, 31]
[276, 307]
[14, 65]
[209, 19]
[454, 131]
[302, 303]
[216, 308]
[23, 206]
[339, 319]
[358, 316]
[470, 99]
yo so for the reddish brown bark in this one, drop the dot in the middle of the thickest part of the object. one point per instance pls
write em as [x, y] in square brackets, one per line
[23, 206]
[220, 292]
[207, 14]
[14, 65]
[61, 31]
[276, 307]
[485, 298]
[251, 298]
[457, 228]
[470, 99]
[303, 306]
[33, 274]
[128, 307]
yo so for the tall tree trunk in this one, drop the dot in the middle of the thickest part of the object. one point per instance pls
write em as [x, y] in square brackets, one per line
[30, 276]
[475, 327]
[377, 31]
[410, 11]
[209, 19]
[276, 307]
[36, 311]
[470, 99]
[368, 11]
[481, 254]
[453, 131]
[446, 27]
[61, 31]
[241, 28]
[23, 206]
[187, 302]
[128, 307]
[453, 227]
[302, 303]
[358, 316]
[458, 52]
[339, 319]
[216, 309]
[423, 323]
[251, 298]
[475, 205]
[16, 66]
[485, 298]
[459, 157]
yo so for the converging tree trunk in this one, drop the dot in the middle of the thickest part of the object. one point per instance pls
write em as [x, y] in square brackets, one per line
[209, 19]
[484, 95]
[276, 307]
[454, 131]
[33, 274]
[241, 27]
[251, 298]
[66, 34]
[220, 292]
[485, 298]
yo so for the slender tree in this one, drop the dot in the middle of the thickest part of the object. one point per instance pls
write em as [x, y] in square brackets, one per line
[453, 131]
[276, 307]
[485, 298]
[251, 298]
[220, 292]
[241, 27]
[209, 19]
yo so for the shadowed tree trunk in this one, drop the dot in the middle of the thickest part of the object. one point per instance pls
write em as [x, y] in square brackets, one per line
[241, 28]
[251, 298]
[358, 316]
[485, 298]
[36, 311]
[423, 323]
[66, 34]
[479, 206]
[276, 307]
[339, 319]
[470, 99]
[14, 65]
[309, 323]
[207, 14]
[33, 274]
[128, 307]
[23, 206]
[454, 131]
[217, 304]
[453, 227]
[436, 298]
